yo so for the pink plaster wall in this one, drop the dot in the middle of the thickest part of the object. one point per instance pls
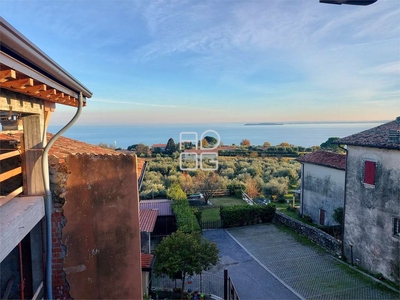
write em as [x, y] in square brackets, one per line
[101, 235]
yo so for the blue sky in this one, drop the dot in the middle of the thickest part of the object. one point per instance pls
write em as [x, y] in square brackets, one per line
[221, 61]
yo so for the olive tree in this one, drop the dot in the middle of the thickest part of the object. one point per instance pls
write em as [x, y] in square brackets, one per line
[185, 254]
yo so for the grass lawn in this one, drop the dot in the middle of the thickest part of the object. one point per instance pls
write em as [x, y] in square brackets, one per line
[210, 214]
[226, 201]
[295, 215]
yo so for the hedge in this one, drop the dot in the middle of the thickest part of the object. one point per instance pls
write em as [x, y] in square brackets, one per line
[240, 215]
[185, 218]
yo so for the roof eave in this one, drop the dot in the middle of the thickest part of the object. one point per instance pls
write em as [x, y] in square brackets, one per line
[13, 39]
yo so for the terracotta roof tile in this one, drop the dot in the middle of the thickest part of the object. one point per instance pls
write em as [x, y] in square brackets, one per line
[147, 261]
[325, 158]
[384, 136]
[163, 206]
[63, 147]
[159, 145]
[148, 218]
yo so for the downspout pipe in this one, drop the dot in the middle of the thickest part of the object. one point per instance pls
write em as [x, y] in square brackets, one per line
[302, 189]
[49, 200]
[344, 198]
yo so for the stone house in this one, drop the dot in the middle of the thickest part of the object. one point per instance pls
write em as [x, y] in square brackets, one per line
[372, 200]
[74, 233]
[322, 185]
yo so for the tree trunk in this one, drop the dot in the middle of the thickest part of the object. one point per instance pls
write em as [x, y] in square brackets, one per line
[183, 283]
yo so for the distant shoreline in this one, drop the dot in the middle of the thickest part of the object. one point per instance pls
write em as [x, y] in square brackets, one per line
[315, 122]
[263, 124]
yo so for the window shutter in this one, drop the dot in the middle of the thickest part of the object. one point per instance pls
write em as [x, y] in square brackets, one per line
[369, 172]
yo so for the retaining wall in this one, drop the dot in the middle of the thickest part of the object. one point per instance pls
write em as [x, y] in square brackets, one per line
[322, 239]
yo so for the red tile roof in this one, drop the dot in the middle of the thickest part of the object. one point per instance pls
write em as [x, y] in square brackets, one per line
[325, 158]
[159, 145]
[147, 261]
[199, 151]
[163, 206]
[63, 147]
[384, 136]
[148, 218]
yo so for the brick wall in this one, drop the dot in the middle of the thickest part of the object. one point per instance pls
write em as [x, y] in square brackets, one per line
[60, 285]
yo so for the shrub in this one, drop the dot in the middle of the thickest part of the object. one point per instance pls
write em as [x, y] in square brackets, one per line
[338, 215]
[240, 215]
[185, 217]
[290, 207]
[307, 218]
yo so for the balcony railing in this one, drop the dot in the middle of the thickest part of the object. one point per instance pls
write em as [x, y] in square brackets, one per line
[9, 174]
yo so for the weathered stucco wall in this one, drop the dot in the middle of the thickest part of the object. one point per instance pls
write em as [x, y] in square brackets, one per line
[101, 234]
[323, 189]
[370, 211]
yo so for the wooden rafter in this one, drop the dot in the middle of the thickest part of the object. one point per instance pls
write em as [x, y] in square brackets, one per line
[35, 89]
[56, 97]
[47, 93]
[19, 83]
[7, 74]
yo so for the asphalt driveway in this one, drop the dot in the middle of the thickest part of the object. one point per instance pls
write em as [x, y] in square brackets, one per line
[251, 280]
[264, 262]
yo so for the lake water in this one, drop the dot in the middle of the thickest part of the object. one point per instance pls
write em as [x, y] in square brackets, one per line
[306, 135]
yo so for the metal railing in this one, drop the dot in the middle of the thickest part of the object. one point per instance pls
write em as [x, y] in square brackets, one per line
[208, 225]
[206, 283]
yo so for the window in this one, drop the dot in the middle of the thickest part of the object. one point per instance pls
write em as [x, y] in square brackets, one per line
[396, 226]
[369, 172]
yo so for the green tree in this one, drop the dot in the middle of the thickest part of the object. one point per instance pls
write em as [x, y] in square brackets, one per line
[277, 187]
[184, 254]
[211, 140]
[175, 192]
[171, 146]
[330, 146]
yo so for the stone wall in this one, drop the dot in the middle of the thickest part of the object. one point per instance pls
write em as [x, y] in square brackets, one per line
[316, 235]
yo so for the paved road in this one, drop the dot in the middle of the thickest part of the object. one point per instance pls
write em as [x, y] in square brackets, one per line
[312, 274]
[251, 280]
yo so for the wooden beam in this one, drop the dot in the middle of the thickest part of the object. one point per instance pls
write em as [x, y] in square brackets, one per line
[49, 106]
[56, 97]
[47, 94]
[11, 196]
[7, 175]
[9, 154]
[35, 89]
[20, 102]
[19, 83]
[32, 156]
[7, 74]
